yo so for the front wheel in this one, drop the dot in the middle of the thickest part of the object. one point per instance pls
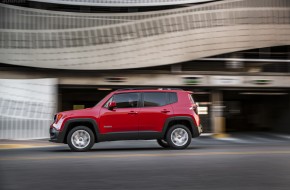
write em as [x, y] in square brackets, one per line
[178, 137]
[80, 139]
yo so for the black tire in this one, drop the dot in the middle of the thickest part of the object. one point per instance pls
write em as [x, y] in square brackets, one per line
[82, 130]
[163, 143]
[176, 144]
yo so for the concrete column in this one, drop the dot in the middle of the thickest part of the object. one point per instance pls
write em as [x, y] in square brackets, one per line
[217, 117]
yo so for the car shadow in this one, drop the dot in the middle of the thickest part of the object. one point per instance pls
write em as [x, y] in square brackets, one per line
[133, 149]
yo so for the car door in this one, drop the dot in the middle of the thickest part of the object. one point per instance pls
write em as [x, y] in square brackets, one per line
[123, 118]
[154, 111]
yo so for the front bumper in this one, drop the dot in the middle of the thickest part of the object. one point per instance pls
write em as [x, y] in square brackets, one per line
[56, 136]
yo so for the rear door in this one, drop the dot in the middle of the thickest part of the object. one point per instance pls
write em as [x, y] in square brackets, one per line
[155, 109]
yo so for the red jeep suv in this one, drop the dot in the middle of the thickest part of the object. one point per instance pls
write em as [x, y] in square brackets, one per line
[168, 115]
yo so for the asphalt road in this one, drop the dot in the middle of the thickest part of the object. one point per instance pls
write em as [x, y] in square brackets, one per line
[206, 164]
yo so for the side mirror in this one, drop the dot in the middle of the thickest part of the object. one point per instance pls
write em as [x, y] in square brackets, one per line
[112, 105]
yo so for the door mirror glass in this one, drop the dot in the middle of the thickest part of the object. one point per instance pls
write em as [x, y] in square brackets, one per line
[112, 105]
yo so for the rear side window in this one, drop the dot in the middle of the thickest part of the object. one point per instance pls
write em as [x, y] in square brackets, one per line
[172, 96]
[153, 99]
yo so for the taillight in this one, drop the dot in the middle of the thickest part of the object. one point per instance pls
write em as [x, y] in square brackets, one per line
[194, 108]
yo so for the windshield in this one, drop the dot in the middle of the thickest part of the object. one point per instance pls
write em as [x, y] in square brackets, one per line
[101, 101]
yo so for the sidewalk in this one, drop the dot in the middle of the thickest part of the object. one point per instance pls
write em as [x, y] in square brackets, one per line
[243, 138]
[19, 144]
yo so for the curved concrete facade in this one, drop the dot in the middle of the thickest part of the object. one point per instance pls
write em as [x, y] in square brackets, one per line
[83, 41]
[122, 3]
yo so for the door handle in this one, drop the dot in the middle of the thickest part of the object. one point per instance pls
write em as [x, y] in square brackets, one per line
[165, 111]
[133, 112]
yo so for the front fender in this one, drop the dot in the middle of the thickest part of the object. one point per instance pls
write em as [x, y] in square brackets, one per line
[60, 136]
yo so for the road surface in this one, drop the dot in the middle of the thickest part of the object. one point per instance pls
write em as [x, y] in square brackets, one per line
[231, 163]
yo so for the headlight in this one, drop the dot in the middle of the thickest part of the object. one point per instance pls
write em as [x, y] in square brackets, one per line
[57, 118]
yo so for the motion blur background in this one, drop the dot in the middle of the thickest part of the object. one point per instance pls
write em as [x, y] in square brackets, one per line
[59, 55]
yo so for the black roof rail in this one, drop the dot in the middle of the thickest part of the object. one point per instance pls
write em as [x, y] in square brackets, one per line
[149, 88]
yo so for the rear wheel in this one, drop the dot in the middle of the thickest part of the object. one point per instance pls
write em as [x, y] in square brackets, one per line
[162, 143]
[80, 139]
[178, 137]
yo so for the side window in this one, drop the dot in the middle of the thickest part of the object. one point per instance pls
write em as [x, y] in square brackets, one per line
[126, 100]
[153, 99]
[172, 97]
[107, 103]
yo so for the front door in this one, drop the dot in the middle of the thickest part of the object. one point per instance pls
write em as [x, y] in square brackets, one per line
[122, 119]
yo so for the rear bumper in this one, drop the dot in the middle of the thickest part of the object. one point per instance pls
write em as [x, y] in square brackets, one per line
[199, 129]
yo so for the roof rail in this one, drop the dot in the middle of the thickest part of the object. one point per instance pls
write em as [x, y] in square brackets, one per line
[149, 88]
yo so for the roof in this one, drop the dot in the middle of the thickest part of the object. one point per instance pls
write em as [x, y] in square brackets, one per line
[150, 90]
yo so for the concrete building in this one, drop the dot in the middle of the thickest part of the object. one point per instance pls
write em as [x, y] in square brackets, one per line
[233, 53]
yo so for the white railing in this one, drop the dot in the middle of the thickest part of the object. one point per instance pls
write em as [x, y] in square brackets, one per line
[26, 108]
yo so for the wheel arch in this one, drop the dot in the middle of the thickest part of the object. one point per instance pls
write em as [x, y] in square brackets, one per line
[88, 122]
[183, 120]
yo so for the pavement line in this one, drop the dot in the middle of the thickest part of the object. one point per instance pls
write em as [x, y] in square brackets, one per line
[143, 155]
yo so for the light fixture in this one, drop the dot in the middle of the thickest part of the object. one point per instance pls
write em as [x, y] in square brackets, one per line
[264, 93]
